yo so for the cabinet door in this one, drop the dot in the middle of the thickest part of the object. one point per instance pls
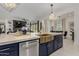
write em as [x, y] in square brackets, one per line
[55, 44]
[58, 42]
[50, 47]
[43, 50]
[9, 50]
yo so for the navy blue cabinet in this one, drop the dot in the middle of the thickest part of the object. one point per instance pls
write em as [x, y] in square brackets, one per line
[46, 48]
[9, 50]
[43, 50]
[58, 42]
[49, 47]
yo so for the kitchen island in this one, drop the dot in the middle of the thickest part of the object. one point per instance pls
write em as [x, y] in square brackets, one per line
[29, 44]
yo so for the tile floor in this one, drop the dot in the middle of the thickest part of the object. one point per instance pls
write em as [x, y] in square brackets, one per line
[68, 49]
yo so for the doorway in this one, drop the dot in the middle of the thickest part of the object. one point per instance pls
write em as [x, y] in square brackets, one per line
[68, 25]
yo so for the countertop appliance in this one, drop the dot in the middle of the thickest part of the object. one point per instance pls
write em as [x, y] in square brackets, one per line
[30, 48]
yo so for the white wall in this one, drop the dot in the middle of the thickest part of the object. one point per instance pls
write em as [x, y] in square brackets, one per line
[2, 21]
[76, 26]
[45, 26]
[7, 25]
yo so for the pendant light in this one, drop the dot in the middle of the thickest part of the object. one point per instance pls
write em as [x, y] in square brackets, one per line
[9, 6]
[52, 16]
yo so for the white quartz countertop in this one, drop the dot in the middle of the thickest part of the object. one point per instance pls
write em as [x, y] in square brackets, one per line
[55, 33]
[9, 39]
[52, 33]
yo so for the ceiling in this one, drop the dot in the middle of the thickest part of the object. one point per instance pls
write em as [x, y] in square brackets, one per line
[34, 11]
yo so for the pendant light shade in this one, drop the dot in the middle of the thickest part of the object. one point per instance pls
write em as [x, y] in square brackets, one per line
[52, 16]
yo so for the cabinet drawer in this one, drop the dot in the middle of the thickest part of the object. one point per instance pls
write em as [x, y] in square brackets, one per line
[9, 47]
[13, 53]
[9, 50]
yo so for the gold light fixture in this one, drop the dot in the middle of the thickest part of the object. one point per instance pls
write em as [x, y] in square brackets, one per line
[52, 16]
[9, 6]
